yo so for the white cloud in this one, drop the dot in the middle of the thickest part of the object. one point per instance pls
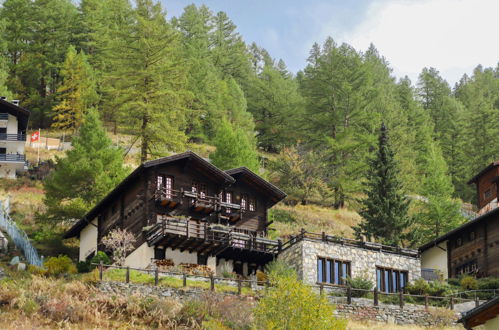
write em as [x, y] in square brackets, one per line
[451, 35]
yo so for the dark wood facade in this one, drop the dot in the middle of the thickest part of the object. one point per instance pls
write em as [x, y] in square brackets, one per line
[184, 202]
[487, 187]
[473, 248]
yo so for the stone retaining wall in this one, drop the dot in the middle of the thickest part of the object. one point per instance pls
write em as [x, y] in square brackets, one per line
[392, 314]
[410, 314]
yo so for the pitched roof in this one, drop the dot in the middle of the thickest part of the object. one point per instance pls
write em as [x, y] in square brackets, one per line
[486, 169]
[214, 171]
[446, 236]
[484, 312]
[259, 183]
[20, 113]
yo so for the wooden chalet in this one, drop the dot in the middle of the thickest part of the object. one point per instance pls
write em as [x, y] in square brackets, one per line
[185, 210]
[472, 248]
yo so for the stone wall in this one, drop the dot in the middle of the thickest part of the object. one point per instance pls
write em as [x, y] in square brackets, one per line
[361, 309]
[303, 257]
[409, 315]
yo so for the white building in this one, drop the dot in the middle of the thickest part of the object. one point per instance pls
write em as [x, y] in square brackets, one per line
[13, 125]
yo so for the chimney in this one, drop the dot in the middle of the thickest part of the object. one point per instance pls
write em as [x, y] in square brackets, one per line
[15, 102]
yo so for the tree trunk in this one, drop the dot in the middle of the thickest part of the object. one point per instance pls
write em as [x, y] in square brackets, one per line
[145, 143]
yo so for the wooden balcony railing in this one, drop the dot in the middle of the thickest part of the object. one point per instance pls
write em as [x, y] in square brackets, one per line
[349, 242]
[4, 116]
[228, 237]
[200, 201]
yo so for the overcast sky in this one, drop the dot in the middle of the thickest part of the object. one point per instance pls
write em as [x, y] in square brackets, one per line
[453, 36]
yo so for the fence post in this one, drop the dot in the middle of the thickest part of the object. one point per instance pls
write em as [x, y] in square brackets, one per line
[321, 289]
[426, 302]
[239, 284]
[267, 284]
[100, 270]
[323, 236]
[401, 299]
[349, 295]
[184, 279]
[375, 296]
[156, 276]
[212, 283]
[127, 275]
[477, 302]
[451, 303]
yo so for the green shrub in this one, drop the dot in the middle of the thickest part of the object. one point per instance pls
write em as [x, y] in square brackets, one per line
[419, 287]
[488, 283]
[279, 269]
[83, 266]
[468, 283]
[60, 265]
[360, 282]
[100, 256]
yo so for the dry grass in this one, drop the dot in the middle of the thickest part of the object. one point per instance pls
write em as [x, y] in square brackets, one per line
[357, 325]
[288, 220]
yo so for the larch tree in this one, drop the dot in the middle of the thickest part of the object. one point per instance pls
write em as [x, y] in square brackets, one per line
[234, 149]
[385, 207]
[150, 81]
[438, 212]
[86, 174]
[76, 93]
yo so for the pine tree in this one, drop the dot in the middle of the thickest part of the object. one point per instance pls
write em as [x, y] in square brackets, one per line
[77, 92]
[234, 149]
[88, 172]
[385, 210]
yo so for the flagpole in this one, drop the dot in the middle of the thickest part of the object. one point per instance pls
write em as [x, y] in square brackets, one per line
[39, 141]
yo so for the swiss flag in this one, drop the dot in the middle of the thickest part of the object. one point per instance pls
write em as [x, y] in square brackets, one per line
[35, 136]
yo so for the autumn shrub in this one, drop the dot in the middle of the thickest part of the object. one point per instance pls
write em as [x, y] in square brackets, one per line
[468, 283]
[60, 265]
[35, 270]
[291, 304]
[418, 287]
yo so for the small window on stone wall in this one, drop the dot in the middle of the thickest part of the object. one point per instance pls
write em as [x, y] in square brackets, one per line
[391, 280]
[332, 271]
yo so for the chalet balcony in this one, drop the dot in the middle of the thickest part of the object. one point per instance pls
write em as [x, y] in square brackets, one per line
[212, 239]
[12, 158]
[12, 137]
[168, 197]
[4, 116]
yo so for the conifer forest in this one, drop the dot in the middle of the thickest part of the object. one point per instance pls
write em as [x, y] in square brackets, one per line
[318, 134]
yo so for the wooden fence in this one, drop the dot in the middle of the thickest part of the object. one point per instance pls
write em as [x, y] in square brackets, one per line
[346, 293]
[239, 283]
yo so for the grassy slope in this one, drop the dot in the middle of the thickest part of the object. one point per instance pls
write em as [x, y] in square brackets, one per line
[288, 220]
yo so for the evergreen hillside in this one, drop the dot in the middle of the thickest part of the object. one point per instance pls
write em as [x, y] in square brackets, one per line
[192, 82]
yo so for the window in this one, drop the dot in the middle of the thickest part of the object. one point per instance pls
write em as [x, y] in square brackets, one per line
[165, 185]
[228, 199]
[472, 236]
[332, 271]
[252, 204]
[459, 242]
[169, 187]
[202, 259]
[467, 268]
[199, 188]
[487, 194]
[391, 280]
[244, 202]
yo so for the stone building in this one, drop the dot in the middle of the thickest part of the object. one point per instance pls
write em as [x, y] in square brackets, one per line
[324, 259]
